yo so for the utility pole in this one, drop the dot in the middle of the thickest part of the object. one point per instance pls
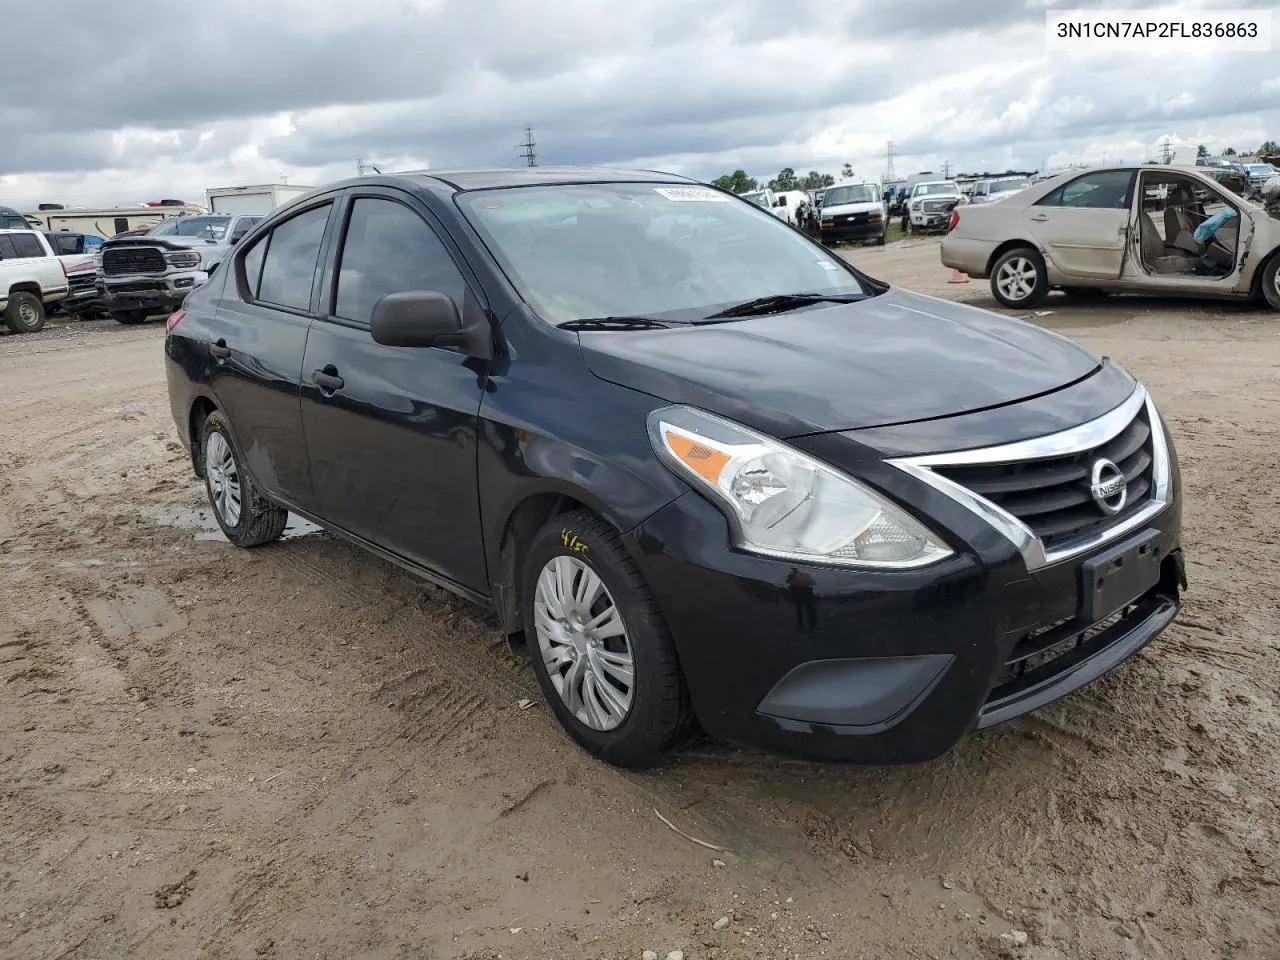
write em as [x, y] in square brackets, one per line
[889, 154]
[527, 151]
[946, 169]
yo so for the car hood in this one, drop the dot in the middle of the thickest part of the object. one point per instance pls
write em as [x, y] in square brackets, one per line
[895, 358]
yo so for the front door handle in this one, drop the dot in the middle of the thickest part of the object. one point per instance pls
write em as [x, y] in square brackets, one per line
[1040, 218]
[219, 350]
[328, 380]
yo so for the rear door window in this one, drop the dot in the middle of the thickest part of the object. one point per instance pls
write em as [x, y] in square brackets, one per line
[26, 245]
[1105, 190]
[292, 253]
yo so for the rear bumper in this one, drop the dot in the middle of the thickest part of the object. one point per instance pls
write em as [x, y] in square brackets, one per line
[967, 256]
[148, 292]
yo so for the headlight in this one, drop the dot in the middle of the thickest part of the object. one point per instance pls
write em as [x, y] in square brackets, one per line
[188, 259]
[915, 204]
[782, 503]
[874, 218]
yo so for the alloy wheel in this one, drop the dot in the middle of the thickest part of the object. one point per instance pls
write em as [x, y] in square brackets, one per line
[583, 643]
[224, 478]
[1017, 278]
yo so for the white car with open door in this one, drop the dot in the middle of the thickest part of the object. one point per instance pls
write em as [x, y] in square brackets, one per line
[1160, 230]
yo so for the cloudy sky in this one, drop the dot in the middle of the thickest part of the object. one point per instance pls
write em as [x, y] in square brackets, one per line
[143, 99]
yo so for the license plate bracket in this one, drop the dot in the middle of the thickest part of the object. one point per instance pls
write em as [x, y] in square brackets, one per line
[1118, 576]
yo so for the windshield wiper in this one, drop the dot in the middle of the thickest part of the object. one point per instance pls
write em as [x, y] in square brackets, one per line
[780, 303]
[614, 323]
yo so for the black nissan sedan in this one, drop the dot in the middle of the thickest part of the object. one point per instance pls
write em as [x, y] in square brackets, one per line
[704, 471]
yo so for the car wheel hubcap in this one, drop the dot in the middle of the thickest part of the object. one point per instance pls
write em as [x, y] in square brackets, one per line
[583, 643]
[224, 479]
[27, 314]
[1017, 278]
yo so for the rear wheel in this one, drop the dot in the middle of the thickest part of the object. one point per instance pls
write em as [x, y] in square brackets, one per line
[600, 647]
[129, 317]
[1270, 282]
[243, 512]
[25, 313]
[1019, 279]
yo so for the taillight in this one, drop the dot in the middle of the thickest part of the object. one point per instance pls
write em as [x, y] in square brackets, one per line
[174, 320]
[955, 218]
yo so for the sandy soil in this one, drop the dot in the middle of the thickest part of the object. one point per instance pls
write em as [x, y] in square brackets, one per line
[299, 751]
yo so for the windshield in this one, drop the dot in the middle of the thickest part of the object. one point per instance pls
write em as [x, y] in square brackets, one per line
[209, 228]
[1005, 186]
[1260, 168]
[936, 189]
[681, 253]
[759, 199]
[853, 193]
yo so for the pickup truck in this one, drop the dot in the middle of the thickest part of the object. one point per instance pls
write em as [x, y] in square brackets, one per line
[139, 277]
[31, 277]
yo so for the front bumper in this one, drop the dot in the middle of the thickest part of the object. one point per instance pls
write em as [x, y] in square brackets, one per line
[163, 293]
[883, 667]
[842, 232]
[929, 221]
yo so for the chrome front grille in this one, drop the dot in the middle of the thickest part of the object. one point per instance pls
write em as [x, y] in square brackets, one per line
[1052, 495]
[1049, 495]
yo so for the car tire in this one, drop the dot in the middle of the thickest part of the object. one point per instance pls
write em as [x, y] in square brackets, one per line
[129, 317]
[1019, 279]
[880, 240]
[1270, 282]
[25, 313]
[246, 516]
[628, 726]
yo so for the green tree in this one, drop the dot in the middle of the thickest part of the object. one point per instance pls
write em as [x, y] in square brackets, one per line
[736, 182]
[1202, 151]
[1268, 148]
[1229, 152]
[813, 180]
[846, 171]
[785, 180]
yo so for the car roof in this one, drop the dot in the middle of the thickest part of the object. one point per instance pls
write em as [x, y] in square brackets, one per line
[498, 177]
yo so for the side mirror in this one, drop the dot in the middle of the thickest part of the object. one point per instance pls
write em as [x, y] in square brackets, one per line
[425, 318]
[780, 202]
[235, 238]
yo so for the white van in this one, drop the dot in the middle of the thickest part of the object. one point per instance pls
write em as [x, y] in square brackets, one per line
[853, 210]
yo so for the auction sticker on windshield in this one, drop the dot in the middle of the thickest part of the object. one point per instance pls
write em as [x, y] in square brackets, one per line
[686, 194]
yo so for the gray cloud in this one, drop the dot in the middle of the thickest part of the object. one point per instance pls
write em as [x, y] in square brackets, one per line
[176, 98]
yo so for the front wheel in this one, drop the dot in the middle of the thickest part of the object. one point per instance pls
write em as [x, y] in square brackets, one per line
[246, 516]
[1271, 282]
[600, 647]
[1019, 279]
[25, 313]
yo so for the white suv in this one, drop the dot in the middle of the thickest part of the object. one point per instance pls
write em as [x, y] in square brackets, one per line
[30, 278]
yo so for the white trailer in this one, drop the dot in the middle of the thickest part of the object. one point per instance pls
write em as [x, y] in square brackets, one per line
[253, 201]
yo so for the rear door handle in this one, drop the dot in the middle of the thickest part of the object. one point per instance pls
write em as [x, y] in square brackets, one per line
[1039, 219]
[328, 380]
[219, 350]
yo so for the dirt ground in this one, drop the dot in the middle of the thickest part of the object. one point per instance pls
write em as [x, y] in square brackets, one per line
[299, 751]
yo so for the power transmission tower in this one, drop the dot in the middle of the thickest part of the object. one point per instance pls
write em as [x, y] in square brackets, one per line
[527, 151]
[946, 169]
[889, 154]
[1166, 149]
